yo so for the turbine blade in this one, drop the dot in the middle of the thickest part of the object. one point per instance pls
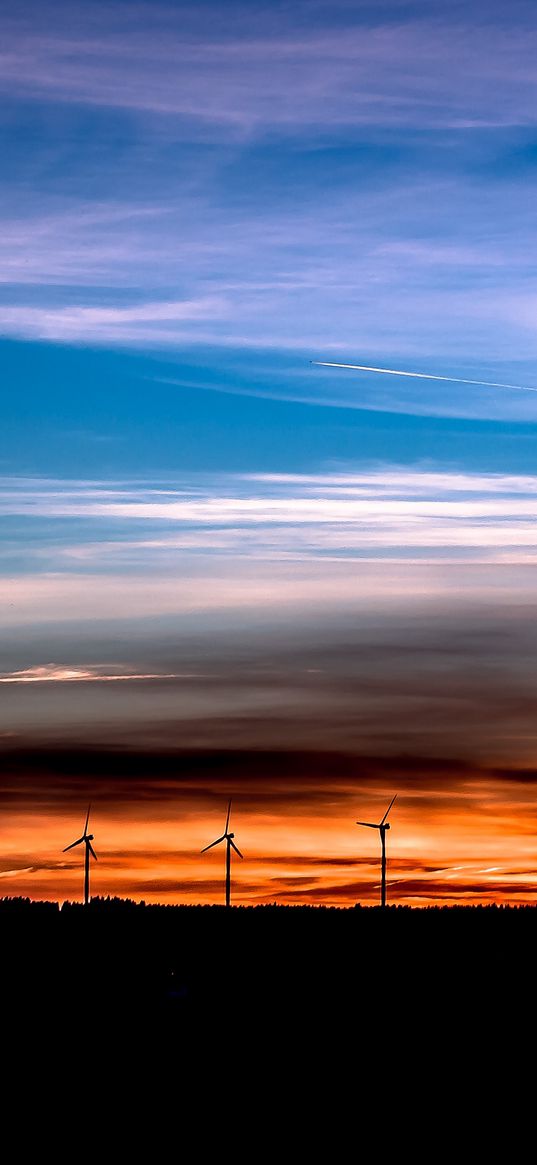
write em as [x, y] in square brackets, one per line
[92, 851]
[368, 823]
[87, 820]
[227, 818]
[236, 848]
[388, 809]
[73, 843]
[217, 842]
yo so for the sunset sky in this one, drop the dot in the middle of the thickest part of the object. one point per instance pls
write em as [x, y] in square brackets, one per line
[227, 572]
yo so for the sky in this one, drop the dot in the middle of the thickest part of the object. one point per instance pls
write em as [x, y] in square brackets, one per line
[227, 571]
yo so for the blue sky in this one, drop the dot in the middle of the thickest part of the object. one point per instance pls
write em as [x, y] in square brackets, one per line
[198, 200]
[352, 181]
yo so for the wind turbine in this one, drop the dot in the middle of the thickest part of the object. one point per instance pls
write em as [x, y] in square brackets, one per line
[87, 838]
[227, 837]
[382, 827]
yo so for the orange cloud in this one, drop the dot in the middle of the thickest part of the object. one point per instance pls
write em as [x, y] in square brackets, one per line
[470, 840]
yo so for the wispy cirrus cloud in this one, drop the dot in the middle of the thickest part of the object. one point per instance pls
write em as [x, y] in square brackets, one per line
[112, 323]
[267, 69]
[304, 183]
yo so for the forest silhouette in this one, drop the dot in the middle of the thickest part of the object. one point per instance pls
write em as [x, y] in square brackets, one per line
[174, 969]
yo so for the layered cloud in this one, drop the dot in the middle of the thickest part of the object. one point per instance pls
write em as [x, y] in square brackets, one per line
[384, 604]
[384, 515]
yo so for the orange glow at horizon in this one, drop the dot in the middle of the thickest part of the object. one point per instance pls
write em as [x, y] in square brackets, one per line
[437, 855]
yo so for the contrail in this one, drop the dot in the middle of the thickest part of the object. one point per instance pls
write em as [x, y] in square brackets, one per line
[422, 375]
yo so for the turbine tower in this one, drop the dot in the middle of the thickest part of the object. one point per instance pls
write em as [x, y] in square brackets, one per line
[382, 827]
[87, 838]
[230, 844]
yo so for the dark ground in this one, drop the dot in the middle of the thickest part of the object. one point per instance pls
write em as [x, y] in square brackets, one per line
[361, 1004]
[174, 967]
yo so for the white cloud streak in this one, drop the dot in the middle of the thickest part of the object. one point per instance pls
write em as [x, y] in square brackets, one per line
[371, 500]
[422, 375]
[56, 673]
[112, 323]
